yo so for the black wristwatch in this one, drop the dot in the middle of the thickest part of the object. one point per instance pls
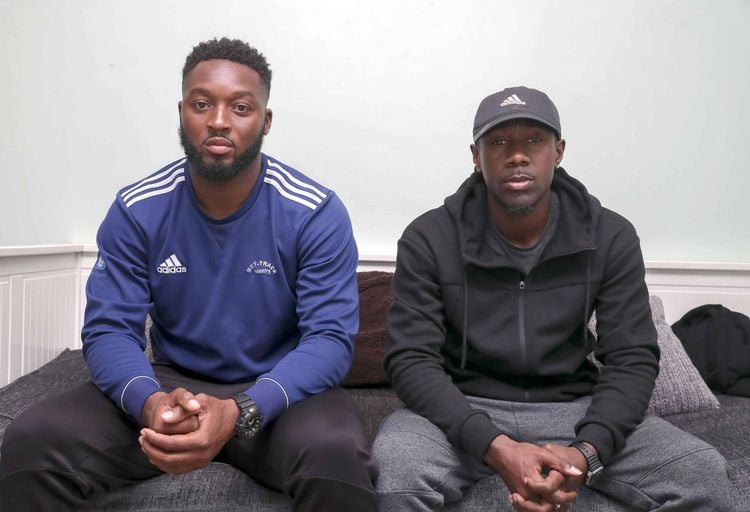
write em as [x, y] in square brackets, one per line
[250, 420]
[595, 465]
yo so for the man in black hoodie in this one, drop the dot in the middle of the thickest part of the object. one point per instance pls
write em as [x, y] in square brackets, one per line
[489, 338]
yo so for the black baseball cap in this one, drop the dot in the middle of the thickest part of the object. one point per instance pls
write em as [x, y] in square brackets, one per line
[516, 103]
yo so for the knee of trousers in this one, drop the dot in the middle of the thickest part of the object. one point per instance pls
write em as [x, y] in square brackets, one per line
[411, 461]
[700, 477]
[708, 472]
[334, 456]
[32, 443]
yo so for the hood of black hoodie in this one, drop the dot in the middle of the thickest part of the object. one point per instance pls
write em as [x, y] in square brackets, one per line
[579, 216]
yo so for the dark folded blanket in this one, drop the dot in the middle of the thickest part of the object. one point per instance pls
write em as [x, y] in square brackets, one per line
[369, 348]
[717, 340]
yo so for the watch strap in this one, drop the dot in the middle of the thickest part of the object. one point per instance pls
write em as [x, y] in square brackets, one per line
[595, 466]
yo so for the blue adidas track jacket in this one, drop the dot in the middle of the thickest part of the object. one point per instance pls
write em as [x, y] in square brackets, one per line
[268, 294]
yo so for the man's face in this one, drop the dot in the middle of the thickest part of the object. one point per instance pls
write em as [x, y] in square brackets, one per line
[223, 118]
[517, 160]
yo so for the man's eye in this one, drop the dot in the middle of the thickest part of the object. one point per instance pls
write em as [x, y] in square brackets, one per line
[200, 104]
[535, 140]
[241, 108]
[499, 142]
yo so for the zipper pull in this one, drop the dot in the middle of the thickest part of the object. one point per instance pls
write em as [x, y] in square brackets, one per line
[522, 285]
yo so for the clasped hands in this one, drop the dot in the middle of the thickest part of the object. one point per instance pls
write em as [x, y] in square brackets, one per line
[539, 478]
[183, 432]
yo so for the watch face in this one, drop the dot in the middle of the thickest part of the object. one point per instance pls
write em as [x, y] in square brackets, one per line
[250, 420]
[593, 476]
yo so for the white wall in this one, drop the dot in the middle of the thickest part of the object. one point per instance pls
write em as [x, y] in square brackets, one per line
[376, 100]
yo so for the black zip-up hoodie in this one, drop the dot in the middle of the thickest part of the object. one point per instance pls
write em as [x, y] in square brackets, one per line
[464, 321]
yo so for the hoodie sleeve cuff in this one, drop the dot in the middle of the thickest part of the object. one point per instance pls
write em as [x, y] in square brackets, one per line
[135, 393]
[476, 434]
[600, 438]
[270, 397]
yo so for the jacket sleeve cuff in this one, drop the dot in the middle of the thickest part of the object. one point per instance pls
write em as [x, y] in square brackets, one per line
[600, 438]
[476, 434]
[270, 397]
[135, 393]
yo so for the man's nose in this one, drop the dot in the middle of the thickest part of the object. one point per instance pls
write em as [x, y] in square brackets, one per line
[219, 119]
[517, 155]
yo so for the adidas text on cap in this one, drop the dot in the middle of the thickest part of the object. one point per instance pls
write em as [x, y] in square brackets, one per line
[515, 103]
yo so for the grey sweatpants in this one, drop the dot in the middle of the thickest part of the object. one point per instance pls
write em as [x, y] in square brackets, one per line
[661, 467]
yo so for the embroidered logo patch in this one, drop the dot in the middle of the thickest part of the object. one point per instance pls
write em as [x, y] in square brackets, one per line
[100, 267]
[261, 268]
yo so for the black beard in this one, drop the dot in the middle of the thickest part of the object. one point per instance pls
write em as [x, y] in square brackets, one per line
[520, 209]
[219, 172]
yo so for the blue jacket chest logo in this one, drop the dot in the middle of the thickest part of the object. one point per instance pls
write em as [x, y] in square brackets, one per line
[171, 265]
[261, 268]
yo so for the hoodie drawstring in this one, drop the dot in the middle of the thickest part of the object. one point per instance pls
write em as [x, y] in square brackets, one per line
[464, 345]
[586, 314]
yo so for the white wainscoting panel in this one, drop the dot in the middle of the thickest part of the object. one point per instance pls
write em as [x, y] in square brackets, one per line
[45, 323]
[39, 306]
[685, 286]
[4, 329]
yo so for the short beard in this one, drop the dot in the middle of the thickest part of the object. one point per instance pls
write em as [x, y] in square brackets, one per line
[520, 209]
[219, 172]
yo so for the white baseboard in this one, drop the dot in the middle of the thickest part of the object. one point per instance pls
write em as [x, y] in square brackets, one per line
[42, 297]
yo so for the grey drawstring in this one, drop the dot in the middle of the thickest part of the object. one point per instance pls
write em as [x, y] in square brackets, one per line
[586, 304]
[466, 319]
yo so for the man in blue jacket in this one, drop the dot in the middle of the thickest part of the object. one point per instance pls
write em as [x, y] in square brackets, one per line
[247, 268]
[488, 332]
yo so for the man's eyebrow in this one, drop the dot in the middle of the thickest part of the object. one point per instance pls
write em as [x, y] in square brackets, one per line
[206, 92]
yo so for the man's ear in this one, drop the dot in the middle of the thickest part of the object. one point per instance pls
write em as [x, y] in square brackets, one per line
[475, 156]
[179, 108]
[560, 150]
[268, 118]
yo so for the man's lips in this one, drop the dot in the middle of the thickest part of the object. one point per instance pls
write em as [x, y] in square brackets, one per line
[518, 181]
[218, 145]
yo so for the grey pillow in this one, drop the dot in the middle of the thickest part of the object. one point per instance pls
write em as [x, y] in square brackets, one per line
[679, 387]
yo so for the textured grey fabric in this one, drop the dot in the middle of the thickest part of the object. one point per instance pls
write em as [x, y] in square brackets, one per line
[219, 487]
[728, 429]
[215, 488]
[484, 496]
[679, 387]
